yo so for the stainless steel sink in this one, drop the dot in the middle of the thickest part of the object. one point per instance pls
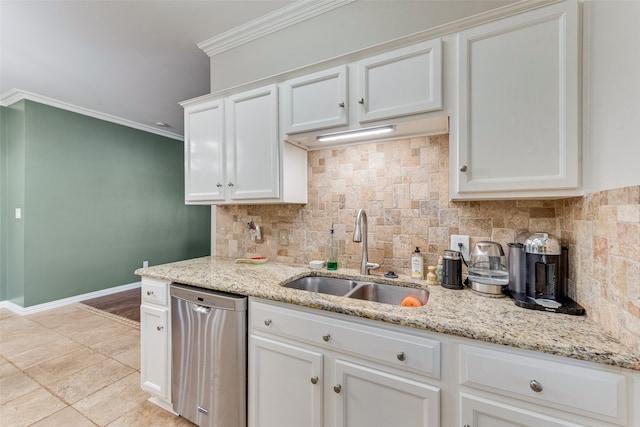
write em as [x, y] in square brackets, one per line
[387, 294]
[323, 285]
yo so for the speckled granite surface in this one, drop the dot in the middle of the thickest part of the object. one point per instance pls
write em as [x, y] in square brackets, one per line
[459, 313]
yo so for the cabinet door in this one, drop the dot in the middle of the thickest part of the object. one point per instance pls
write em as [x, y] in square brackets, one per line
[285, 385]
[155, 368]
[253, 157]
[316, 101]
[478, 412]
[204, 152]
[368, 397]
[518, 105]
[405, 81]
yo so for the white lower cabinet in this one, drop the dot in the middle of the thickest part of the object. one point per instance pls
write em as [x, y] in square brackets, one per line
[285, 386]
[319, 369]
[307, 369]
[516, 388]
[478, 412]
[155, 341]
[367, 396]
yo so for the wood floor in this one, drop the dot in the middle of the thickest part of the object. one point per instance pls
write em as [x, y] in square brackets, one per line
[125, 304]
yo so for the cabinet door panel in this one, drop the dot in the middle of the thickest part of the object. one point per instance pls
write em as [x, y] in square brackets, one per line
[155, 365]
[253, 156]
[204, 152]
[478, 412]
[518, 106]
[281, 391]
[370, 397]
[316, 101]
[405, 81]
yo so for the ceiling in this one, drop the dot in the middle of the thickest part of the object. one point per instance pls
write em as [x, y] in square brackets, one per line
[132, 60]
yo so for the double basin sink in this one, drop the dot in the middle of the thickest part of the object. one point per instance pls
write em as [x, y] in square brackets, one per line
[377, 292]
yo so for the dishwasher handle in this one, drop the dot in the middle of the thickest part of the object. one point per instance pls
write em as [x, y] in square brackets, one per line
[200, 309]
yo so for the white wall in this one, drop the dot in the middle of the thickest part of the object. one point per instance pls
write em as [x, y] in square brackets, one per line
[341, 31]
[612, 104]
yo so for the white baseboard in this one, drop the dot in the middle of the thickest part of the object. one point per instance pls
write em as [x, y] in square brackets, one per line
[23, 311]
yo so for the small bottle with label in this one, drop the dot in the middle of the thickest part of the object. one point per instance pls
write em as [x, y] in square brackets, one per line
[417, 264]
[439, 270]
[332, 252]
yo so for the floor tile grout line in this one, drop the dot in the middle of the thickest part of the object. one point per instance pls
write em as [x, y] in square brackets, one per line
[43, 386]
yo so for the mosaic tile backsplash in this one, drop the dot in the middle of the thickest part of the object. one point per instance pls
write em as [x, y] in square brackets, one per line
[403, 187]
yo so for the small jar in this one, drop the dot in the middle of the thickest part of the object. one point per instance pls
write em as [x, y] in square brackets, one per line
[432, 278]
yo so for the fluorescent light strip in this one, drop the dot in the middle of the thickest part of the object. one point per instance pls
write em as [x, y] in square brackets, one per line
[338, 136]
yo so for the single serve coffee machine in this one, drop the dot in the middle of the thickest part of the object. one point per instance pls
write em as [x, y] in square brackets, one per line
[538, 269]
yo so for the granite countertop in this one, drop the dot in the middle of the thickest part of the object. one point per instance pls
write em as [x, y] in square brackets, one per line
[451, 312]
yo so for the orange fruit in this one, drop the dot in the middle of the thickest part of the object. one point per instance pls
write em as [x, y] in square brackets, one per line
[411, 302]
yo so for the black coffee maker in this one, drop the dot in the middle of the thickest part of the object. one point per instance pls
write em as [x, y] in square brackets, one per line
[541, 260]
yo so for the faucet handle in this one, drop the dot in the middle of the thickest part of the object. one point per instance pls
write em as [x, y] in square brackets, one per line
[372, 265]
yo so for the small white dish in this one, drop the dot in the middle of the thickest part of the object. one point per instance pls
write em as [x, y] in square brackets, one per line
[316, 264]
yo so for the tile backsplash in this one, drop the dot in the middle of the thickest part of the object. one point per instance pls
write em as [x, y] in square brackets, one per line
[403, 187]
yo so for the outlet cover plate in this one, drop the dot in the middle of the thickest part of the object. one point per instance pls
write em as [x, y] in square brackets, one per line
[457, 239]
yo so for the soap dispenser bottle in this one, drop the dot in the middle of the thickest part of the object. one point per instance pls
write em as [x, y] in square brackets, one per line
[417, 264]
[332, 251]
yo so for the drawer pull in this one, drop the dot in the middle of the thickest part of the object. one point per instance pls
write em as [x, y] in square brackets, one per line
[149, 293]
[159, 328]
[401, 356]
[360, 100]
[341, 104]
[267, 322]
[535, 386]
[326, 338]
[337, 388]
[314, 380]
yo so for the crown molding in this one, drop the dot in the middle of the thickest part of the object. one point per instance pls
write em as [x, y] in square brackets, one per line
[16, 95]
[267, 24]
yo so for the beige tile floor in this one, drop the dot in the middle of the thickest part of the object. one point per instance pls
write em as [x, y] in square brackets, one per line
[71, 366]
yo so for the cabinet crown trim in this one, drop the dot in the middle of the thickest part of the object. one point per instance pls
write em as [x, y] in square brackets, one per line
[267, 24]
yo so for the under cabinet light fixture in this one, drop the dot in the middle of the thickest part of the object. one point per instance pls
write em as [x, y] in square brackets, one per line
[338, 136]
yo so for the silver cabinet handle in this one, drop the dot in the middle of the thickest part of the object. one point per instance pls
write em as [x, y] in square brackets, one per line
[326, 338]
[314, 380]
[159, 328]
[360, 100]
[229, 184]
[337, 388]
[464, 168]
[535, 386]
[341, 104]
[149, 293]
[218, 185]
[267, 322]
[401, 356]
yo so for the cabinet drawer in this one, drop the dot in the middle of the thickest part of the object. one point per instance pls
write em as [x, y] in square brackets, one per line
[563, 385]
[378, 344]
[155, 291]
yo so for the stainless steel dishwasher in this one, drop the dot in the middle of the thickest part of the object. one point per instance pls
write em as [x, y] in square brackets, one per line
[209, 372]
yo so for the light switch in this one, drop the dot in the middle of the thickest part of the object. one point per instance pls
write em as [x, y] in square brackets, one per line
[18, 213]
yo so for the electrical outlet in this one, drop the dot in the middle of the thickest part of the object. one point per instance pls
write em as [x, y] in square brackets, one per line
[460, 243]
[145, 264]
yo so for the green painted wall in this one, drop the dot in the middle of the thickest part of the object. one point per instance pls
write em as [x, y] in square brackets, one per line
[3, 204]
[99, 198]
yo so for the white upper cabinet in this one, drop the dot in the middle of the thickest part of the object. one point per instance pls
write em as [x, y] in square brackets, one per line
[252, 144]
[401, 82]
[204, 152]
[391, 86]
[233, 153]
[316, 101]
[517, 132]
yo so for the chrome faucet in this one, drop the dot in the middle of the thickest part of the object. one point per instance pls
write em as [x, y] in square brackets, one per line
[360, 235]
